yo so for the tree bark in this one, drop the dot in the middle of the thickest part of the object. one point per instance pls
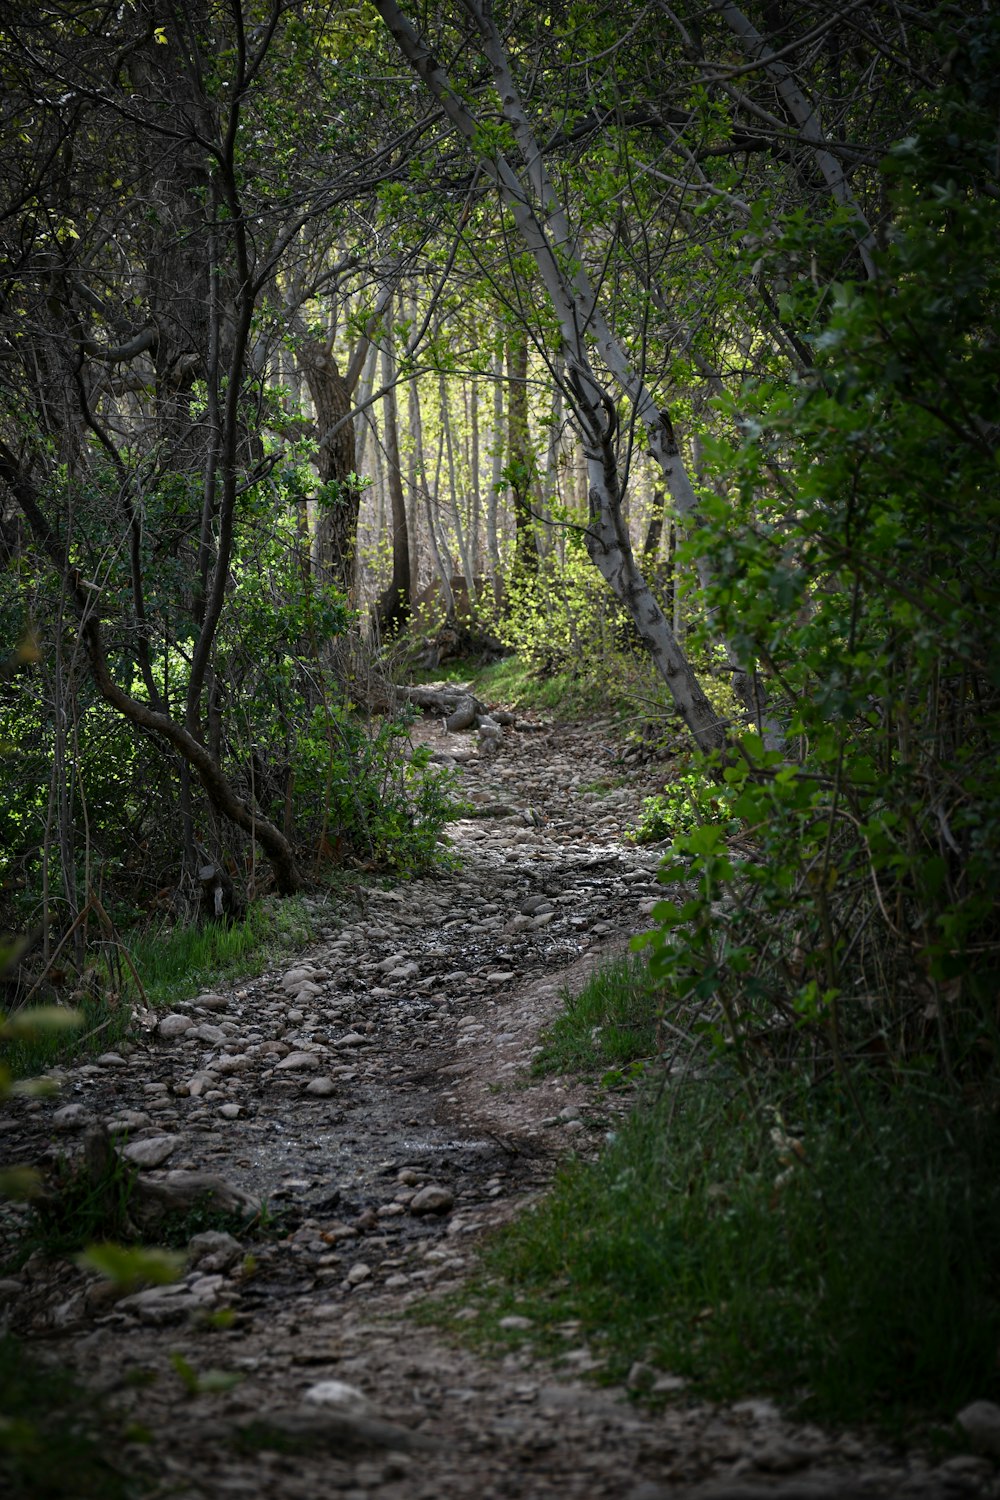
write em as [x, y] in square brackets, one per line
[394, 605]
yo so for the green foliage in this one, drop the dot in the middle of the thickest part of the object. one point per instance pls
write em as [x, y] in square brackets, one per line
[41, 1037]
[561, 616]
[686, 802]
[175, 962]
[204, 1382]
[367, 798]
[57, 1440]
[855, 559]
[130, 1267]
[609, 1024]
[79, 1207]
[853, 1274]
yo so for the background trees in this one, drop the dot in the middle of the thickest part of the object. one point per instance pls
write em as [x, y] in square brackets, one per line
[307, 306]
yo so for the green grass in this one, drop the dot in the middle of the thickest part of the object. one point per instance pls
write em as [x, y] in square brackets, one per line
[564, 695]
[105, 1020]
[609, 1024]
[55, 1439]
[175, 963]
[864, 1285]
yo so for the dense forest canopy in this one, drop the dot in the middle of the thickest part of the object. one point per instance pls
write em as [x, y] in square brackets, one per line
[692, 308]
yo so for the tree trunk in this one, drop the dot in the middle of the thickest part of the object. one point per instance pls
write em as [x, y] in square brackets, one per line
[521, 469]
[394, 605]
[337, 525]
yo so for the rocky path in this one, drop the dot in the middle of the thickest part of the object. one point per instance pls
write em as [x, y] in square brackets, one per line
[374, 1095]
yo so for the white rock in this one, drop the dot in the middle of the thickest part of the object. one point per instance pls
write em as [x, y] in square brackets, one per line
[298, 1062]
[213, 1035]
[211, 1001]
[111, 1060]
[358, 1273]
[197, 1085]
[338, 1393]
[229, 1111]
[432, 1200]
[515, 1321]
[352, 1039]
[322, 1088]
[980, 1421]
[295, 977]
[70, 1117]
[174, 1025]
[152, 1152]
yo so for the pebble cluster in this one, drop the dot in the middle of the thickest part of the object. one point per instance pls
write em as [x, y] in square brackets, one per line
[370, 1099]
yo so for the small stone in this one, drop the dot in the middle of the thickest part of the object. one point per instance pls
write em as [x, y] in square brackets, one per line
[572, 1127]
[405, 971]
[358, 1273]
[571, 1112]
[129, 1119]
[352, 1039]
[111, 1060]
[152, 1152]
[515, 1322]
[303, 993]
[229, 1111]
[640, 1377]
[779, 1457]
[339, 1394]
[213, 1251]
[71, 1117]
[213, 1035]
[295, 977]
[668, 1385]
[432, 1200]
[9, 1289]
[172, 1026]
[197, 1085]
[211, 1001]
[500, 976]
[298, 1062]
[321, 1088]
[980, 1421]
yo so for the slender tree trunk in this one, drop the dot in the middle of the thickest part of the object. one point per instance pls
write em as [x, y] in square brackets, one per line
[456, 504]
[521, 466]
[394, 605]
[496, 478]
[476, 510]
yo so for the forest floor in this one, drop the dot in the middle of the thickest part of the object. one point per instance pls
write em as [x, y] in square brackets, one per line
[377, 1094]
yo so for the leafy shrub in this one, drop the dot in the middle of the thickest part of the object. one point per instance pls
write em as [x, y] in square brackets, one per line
[856, 559]
[851, 1272]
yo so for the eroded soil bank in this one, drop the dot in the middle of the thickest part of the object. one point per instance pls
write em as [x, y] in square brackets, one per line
[376, 1095]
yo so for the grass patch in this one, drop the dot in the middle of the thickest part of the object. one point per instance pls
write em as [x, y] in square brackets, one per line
[610, 1023]
[173, 964]
[54, 1437]
[177, 962]
[105, 1021]
[565, 695]
[854, 1274]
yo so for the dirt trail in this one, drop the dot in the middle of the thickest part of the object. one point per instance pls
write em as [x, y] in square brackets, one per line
[375, 1094]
